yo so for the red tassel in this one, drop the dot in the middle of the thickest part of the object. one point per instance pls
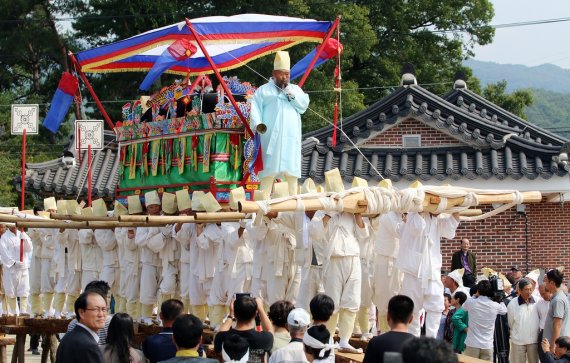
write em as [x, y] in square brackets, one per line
[335, 122]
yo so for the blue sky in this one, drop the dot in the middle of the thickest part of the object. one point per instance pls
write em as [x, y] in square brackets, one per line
[529, 45]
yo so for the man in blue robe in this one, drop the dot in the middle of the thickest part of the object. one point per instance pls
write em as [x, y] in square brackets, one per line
[279, 105]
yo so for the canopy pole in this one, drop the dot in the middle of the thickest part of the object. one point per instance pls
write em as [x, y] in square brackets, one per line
[91, 91]
[319, 51]
[219, 76]
[23, 195]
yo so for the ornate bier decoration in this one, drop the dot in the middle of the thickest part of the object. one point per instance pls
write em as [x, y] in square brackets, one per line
[183, 139]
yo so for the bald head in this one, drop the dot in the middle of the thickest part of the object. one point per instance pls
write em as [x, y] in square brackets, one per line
[465, 245]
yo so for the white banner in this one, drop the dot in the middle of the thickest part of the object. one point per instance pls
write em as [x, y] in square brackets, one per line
[89, 132]
[25, 117]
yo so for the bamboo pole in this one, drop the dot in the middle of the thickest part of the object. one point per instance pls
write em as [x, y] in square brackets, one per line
[355, 203]
[7, 218]
[129, 218]
[81, 218]
[219, 215]
[431, 201]
[86, 224]
[52, 224]
[172, 219]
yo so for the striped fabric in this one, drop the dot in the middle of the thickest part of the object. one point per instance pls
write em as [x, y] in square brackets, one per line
[231, 42]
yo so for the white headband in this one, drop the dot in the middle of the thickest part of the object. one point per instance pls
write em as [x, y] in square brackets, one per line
[227, 358]
[317, 344]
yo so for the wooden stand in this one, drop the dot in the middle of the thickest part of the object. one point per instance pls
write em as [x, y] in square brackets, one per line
[28, 326]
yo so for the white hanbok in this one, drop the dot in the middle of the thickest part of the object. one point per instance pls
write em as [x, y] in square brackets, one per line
[420, 260]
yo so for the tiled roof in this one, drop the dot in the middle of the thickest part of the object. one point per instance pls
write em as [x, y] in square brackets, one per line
[494, 143]
[54, 178]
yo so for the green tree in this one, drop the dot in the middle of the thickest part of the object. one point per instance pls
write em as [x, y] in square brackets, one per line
[515, 102]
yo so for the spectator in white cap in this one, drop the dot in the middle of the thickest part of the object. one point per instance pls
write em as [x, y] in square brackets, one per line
[298, 320]
[533, 277]
[454, 282]
[276, 114]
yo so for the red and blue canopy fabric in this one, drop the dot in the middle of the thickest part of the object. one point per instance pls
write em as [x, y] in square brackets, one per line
[230, 41]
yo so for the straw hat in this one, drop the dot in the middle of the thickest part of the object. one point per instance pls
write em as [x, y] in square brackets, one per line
[320, 188]
[416, 185]
[197, 201]
[44, 214]
[134, 204]
[169, 203]
[282, 61]
[487, 271]
[99, 208]
[259, 195]
[50, 203]
[359, 182]
[308, 186]
[385, 183]
[210, 203]
[87, 211]
[280, 190]
[72, 207]
[119, 209]
[151, 198]
[333, 181]
[61, 206]
[236, 195]
[183, 200]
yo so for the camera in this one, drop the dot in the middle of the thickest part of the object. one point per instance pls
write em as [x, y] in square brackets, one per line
[498, 288]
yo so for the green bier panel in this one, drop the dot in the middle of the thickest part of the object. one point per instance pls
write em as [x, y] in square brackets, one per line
[225, 164]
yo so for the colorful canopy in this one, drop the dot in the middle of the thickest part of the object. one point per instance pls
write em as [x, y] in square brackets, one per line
[230, 41]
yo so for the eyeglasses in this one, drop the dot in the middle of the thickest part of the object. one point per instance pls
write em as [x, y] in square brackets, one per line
[98, 310]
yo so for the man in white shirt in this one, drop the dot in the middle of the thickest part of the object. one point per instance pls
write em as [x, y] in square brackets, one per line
[15, 272]
[482, 315]
[542, 306]
[524, 324]
[297, 321]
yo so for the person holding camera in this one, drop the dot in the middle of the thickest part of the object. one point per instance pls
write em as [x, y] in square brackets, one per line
[243, 311]
[483, 312]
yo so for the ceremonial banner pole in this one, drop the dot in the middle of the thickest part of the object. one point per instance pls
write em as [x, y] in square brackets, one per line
[91, 91]
[89, 176]
[89, 133]
[318, 53]
[23, 192]
[220, 79]
[24, 120]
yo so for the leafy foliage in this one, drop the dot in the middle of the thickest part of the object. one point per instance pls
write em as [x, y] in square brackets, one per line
[550, 110]
[515, 102]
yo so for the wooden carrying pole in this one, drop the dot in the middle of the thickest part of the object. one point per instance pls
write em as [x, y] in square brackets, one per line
[206, 217]
[355, 203]
[79, 217]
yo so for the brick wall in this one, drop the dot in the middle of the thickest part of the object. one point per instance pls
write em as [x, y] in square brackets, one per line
[499, 241]
[393, 136]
